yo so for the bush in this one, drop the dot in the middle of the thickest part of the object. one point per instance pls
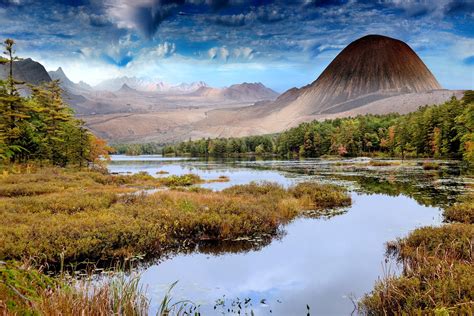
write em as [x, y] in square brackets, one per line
[438, 274]
[462, 212]
[180, 181]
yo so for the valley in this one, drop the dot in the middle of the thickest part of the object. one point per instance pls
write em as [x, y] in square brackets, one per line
[365, 78]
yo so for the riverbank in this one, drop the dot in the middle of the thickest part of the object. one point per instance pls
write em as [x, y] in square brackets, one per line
[56, 214]
[438, 269]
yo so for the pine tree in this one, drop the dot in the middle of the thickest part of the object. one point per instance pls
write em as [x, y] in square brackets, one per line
[13, 109]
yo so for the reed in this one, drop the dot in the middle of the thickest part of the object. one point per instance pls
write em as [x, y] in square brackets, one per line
[438, 270]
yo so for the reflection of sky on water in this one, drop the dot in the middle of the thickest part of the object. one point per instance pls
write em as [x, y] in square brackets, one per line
[207, 171]
[318, 262]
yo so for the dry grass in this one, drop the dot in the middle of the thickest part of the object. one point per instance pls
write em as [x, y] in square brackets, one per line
[25, 290]
[438, 271]
[99, 217]
[462, 212]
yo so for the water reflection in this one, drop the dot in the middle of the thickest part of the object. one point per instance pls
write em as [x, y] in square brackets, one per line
[315, 261]
[319, 263]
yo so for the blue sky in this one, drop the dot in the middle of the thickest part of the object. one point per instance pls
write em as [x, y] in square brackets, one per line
[280, 43]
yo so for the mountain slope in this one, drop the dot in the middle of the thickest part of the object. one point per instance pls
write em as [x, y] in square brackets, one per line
[26, 70]
[61, 76]
[245, 92]
[370, 68]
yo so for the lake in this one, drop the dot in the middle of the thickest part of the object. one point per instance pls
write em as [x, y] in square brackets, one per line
[324, 263]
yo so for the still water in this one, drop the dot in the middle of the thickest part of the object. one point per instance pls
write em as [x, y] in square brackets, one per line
[326, 264]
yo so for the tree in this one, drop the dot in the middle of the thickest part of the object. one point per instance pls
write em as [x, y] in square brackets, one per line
[41, 126]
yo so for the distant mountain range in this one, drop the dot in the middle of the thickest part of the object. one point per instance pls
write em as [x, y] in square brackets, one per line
[146, 85]
[68, 84]
[239, 92]
[374, 74]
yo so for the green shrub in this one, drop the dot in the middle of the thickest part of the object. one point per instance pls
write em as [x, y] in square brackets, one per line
[462, 212]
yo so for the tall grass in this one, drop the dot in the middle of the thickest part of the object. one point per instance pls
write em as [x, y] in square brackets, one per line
[25, 290]
[100, 217]
[438, 270]
[59, 218]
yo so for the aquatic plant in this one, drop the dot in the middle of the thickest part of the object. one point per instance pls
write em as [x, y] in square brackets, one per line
[25, 290]
[179, 308]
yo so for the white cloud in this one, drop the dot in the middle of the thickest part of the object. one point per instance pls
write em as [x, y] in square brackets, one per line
[165, 49]
[221, 53]
[243, 52]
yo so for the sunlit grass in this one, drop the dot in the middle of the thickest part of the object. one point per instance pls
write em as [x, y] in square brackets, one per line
[438, 270]
[87, 215]
[25, 290]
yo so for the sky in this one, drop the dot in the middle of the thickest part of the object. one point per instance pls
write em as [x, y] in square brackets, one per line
[282, 44]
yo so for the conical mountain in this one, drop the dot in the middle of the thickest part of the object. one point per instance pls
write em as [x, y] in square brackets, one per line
[370, 68]
[61, 76]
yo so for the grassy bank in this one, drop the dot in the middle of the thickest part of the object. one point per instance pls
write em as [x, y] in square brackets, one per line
[26, 290]
[438, 269]
[53, 217]
[57, 214]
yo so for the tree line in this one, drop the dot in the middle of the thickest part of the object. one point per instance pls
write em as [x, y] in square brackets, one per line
[41, 125]
[437, 131]
[138, 149]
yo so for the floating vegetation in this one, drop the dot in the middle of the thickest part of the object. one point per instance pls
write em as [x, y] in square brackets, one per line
[430, 165]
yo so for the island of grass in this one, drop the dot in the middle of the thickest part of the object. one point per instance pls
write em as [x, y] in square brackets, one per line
[57, 214]
[54, 217]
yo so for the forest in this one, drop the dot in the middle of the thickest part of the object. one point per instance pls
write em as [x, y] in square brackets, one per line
[36, 124]
[435, 131]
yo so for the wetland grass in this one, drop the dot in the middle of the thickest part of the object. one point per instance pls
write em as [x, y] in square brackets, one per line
[53, 214]
[438, 270]
[26, 290]
[430, 165]
[59, 217]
